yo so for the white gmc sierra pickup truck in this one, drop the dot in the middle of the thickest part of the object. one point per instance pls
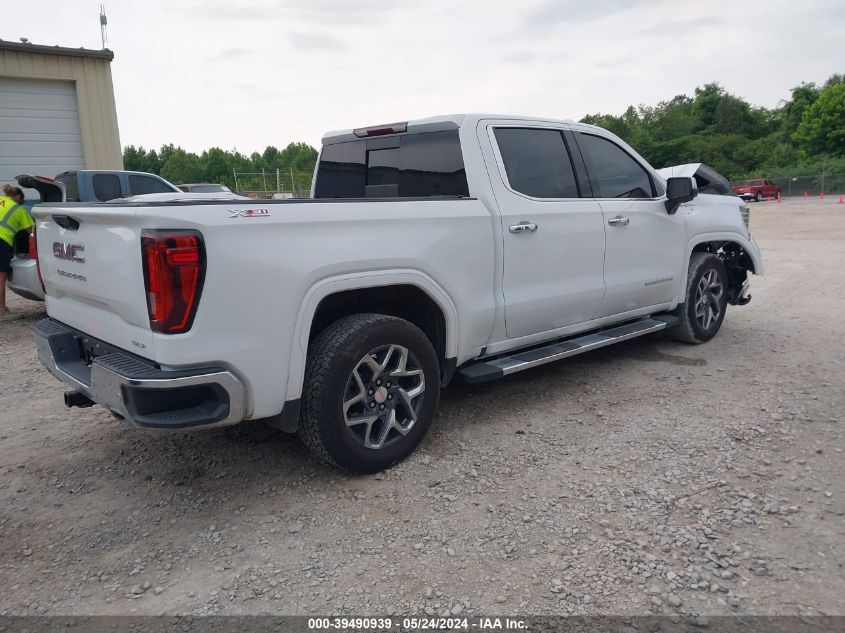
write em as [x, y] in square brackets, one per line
[475, 245]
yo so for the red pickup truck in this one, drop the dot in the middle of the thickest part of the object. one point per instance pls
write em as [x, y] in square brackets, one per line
[757, 190]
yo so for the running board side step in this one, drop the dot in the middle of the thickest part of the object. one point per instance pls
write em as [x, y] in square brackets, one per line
[519, 361]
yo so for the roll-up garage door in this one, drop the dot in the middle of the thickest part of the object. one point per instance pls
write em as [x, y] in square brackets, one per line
[39, 128]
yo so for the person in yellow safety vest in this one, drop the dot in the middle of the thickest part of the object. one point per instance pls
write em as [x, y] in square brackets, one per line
[13, 218]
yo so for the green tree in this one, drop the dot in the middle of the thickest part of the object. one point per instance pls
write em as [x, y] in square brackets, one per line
[836, 78]
[218, 166]
[182, 167]
[166, 152]
[733, 116]
[134, 159]
[672, 119]
[803, 96]
[822, 127]
[706, 101]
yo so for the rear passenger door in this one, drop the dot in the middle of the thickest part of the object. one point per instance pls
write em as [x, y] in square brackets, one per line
[644, 247]
[553, 237]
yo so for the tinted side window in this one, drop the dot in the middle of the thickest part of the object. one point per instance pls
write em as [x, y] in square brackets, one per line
[423, 165]
[146, 184]
[613, 172]
[432, 164]
[106, 187]
[537, 162]
[71, 188]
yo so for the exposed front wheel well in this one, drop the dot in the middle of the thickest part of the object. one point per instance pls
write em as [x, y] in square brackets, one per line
[405, 301]
[737, 264]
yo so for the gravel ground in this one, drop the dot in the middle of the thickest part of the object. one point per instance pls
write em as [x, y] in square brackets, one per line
[650, 477]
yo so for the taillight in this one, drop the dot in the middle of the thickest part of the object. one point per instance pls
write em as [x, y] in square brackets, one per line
[174, 271]
[33, 254]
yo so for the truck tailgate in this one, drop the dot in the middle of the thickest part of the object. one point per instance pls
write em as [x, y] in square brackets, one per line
[90, 259]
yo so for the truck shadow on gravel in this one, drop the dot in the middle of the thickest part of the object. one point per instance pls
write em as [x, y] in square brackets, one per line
[25, 312]
[256, 458]
[256, 452]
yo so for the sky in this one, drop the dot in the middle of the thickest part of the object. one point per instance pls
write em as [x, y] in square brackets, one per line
[245, 74]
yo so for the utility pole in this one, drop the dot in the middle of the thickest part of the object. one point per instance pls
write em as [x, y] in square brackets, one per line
[103, 23]
[235, 174]
[278, 182]
[824, 161]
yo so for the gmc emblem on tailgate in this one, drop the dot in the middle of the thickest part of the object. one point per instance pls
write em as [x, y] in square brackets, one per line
[70, 252]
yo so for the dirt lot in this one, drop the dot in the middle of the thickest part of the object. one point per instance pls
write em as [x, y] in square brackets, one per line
[652, 477]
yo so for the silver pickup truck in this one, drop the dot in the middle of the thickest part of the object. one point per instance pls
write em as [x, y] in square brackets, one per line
[469, 245]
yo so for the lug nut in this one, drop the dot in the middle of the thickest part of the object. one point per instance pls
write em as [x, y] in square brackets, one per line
[388, 383]
[381, 406]
[390, 396]
[370, 392]
[372, 405]
[378, 382]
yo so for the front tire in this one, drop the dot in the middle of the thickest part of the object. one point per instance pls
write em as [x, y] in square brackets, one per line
[703, 311]
[372, 383]
[758, 196]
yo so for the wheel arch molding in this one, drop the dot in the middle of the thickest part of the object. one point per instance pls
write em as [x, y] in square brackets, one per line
[707, 240]
[379, 282]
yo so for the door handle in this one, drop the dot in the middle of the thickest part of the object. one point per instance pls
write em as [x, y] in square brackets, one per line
[523, 227]
[619, 221]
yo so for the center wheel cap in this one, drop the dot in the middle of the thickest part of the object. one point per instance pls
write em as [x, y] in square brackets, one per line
[380, 395]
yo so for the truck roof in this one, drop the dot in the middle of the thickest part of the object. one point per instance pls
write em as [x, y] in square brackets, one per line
[431, 124]
[109, 171]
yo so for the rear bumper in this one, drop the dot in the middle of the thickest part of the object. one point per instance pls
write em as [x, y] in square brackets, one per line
[25, 280]
[135, 389]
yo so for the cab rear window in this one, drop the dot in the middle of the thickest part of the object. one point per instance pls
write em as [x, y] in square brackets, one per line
[423, 165]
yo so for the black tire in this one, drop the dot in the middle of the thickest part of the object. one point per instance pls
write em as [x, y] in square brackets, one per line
[758, 197]
[691, 329]
[333, 356]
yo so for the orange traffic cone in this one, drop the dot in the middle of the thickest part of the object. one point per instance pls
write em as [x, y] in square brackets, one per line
[778, 198]
[821, 195]
[806, 195]
[841, 199]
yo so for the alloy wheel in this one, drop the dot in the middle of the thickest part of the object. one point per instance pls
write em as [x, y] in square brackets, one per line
[383, 396]
[708, 299]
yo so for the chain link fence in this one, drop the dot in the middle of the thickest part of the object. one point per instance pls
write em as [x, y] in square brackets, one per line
[794, 184]
[264, 185]
[292, 184]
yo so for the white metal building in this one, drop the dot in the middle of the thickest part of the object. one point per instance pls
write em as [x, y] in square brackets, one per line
[57, 110]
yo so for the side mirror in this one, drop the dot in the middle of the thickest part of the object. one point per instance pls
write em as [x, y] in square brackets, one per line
[678, 191]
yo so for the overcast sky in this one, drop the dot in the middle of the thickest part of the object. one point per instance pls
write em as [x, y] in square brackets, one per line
[251, 73]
